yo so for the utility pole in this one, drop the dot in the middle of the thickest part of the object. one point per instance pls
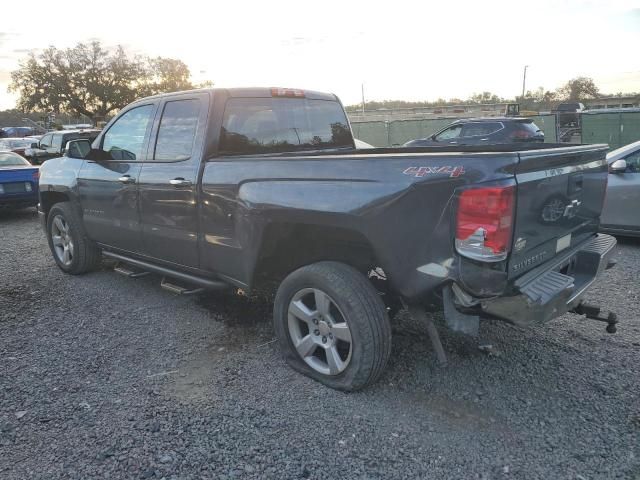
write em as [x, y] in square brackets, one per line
[362, 86]
[524, 79]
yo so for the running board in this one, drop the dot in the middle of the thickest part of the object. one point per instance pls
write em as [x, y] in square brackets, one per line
[147, 267]
[179, 289]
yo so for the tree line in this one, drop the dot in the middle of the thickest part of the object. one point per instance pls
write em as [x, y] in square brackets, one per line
[577, 89]
[96, 82]
[93, 81]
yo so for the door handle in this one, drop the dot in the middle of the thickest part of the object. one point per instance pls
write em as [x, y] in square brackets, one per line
[180, 182]
[127, 179]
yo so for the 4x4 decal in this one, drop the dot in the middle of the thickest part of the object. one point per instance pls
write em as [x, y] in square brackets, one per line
[422, 171]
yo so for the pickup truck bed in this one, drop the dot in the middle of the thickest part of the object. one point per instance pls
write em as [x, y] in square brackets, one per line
[239, 187]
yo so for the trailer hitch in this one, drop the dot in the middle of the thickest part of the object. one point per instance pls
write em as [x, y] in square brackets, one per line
[593, 312]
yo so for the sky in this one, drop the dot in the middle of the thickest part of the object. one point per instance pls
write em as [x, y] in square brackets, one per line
[407, 50]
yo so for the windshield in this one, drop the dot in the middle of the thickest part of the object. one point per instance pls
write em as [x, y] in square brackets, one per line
[12, 160]
[16, 143]
[264, 125]
[622, 151]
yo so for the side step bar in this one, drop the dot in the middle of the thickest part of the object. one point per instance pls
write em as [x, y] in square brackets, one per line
[179, 289]
[147, 267]
[123, 270]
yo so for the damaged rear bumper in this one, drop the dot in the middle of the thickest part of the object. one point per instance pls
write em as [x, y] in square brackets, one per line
[554, 288]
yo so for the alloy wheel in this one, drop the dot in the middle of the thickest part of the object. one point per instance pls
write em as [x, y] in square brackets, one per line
[319, 331]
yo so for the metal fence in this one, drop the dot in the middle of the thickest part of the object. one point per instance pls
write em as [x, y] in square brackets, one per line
[615, 128]
[397, 132]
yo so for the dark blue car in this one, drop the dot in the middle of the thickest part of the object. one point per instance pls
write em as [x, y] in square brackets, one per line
[18, 181]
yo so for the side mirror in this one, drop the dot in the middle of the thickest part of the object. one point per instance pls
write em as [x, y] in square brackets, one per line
[77, 148]
[619, 166]
[34, 145]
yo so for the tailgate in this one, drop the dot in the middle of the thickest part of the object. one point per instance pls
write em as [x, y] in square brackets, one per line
[559, 200]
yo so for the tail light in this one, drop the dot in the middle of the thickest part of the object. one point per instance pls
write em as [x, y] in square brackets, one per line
[484, 223]
[36, 176]
[521, 135]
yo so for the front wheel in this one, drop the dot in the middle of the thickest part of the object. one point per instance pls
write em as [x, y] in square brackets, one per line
[73, 252]
[332, 325]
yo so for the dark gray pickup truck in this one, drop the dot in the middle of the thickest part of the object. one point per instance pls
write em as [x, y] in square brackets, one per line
[239, 188]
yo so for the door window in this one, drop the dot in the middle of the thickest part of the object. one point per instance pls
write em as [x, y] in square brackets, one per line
[56, 141]
[45, 141]
[480, 129]
[633, 162]
[177, 130]
[125, 139]
[449, 133]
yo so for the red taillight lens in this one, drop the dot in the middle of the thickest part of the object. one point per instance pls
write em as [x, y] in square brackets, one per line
[521, 135]
[287, 92]
[485, 223]
[36, 176]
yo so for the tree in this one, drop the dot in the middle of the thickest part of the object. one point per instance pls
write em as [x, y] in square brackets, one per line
[486, 97]
[577, 89]
[168, 75]
[93, 81]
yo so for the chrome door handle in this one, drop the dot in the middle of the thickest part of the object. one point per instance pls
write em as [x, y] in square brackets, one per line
[180, 182]
[127, 179]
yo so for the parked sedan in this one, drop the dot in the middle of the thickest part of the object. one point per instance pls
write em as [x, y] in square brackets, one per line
[16, 145]
[620, 212]
[18, 181]
[483, 131]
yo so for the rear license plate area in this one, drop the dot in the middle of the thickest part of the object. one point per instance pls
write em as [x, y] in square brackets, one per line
[14, 187]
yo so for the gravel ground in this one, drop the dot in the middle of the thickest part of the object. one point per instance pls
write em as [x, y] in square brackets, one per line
[107, 377]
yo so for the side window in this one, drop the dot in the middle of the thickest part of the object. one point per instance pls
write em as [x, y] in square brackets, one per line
[125, 138]
[633, 162]
[45, 141]
[479, 129]
[177, 130]
[56, 141]
[449, 133]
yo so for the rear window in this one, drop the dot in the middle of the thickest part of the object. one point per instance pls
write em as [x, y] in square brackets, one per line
[12, 160]
[568, 107]
[78, 135]
[529, 127]
[265, 125]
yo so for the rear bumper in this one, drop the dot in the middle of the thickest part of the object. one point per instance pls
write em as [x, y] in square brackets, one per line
[19, 200]
[556, 287]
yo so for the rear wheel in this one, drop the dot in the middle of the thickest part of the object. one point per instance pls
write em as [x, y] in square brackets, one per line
[72, 251]
[332, 325]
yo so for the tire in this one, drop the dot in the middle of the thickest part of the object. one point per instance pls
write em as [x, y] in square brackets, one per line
[356, 326]
[84, 256]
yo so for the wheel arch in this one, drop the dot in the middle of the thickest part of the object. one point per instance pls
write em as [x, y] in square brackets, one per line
[49, 198]
[286, 247]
